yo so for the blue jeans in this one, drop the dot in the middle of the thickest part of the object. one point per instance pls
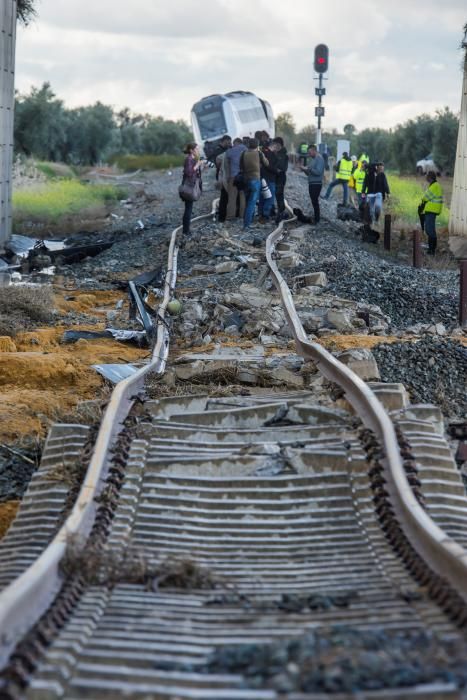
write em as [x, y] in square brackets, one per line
[266, 205]
[375, 202]
[430, 224]
[345, 187]
[253, 188]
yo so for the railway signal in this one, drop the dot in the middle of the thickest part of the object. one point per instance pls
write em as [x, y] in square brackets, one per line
[321, 58]
[321, 65]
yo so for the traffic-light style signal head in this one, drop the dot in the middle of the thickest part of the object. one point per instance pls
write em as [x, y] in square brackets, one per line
[321, 58]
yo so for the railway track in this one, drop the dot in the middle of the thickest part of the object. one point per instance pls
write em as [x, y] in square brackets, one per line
[258, 547]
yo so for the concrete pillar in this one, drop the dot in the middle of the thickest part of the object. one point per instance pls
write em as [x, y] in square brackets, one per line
[7, 103]
[458, 217]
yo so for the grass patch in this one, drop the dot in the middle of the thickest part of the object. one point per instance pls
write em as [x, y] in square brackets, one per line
[55, 170]
[147, 162]
[406, 195]
[24, 307]
[57, 198]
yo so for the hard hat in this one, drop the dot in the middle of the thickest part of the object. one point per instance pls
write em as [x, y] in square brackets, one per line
[353, 158]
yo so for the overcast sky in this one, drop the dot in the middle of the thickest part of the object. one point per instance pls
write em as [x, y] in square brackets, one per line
[389, 60]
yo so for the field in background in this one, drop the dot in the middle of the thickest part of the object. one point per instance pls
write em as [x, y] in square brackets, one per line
[406, 195]
[52, 200]
[147, 162]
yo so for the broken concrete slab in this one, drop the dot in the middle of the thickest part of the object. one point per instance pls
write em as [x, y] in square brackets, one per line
[340, 319]
[361, 361]
[317, 415]
[288, 261]
[202, 270]
[311, 279]
[227, 266]
[426, 412]
[393, 396]
[282, 375]
[253, 354]
[300, 232]
[249, 296]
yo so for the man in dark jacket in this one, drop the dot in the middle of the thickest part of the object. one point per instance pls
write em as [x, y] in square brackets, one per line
[282, 164]
[221, 147]
[269, 173]
[376, 189]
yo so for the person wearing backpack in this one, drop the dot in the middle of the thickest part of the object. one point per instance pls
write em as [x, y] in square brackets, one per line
[236, 197]
[250, 163]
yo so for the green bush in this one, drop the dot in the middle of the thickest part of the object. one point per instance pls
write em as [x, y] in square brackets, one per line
[57, 198]
[406, 195]
[131, 163]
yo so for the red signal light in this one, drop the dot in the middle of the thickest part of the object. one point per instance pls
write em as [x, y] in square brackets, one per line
[321, 58]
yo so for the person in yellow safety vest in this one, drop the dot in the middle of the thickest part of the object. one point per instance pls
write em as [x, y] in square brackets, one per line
[359, 176]
[431, 207]
[344, 172]
[363, 157]
[352, 195]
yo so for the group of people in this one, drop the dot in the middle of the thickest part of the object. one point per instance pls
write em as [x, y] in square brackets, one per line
[252, 172]
[362, 181]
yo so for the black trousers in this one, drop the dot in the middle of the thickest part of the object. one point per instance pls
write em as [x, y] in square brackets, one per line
[223, 201]
[280, 187]
[187, 216]
[314, 189]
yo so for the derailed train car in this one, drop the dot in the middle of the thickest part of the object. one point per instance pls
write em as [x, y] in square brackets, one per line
[237, 113]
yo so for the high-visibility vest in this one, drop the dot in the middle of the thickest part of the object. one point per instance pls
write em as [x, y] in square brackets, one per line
[362, 158]
[345, 169]
[433, 197]
[359, 176]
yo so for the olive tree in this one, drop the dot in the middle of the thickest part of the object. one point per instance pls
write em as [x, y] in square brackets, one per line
[24, 11]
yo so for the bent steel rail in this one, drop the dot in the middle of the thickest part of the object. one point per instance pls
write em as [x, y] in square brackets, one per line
[445, 556]
[25, 600]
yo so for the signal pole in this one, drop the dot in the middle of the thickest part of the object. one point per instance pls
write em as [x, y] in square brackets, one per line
[321, 65]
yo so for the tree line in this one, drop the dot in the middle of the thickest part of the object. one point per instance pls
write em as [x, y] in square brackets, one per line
[46, 129]
[400, 148]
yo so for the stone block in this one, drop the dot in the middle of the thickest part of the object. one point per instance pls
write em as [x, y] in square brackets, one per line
[361, 361]
[227, 266]
[341, 319]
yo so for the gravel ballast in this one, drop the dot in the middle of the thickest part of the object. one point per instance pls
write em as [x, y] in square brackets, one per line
[432, 369]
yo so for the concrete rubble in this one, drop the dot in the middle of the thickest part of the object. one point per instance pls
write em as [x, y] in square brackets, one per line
[361, 361]
[257, 313]
[243, 366]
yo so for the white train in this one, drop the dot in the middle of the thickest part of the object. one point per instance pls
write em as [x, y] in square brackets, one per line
[237, 114]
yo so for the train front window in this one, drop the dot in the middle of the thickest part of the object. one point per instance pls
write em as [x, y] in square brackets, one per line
[211, 122]
[211, 125]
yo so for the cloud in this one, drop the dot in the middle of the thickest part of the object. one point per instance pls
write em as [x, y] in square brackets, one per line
[386, 64]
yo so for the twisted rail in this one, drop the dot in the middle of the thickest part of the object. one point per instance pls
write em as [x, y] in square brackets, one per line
[445, 556]
[24, 601]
